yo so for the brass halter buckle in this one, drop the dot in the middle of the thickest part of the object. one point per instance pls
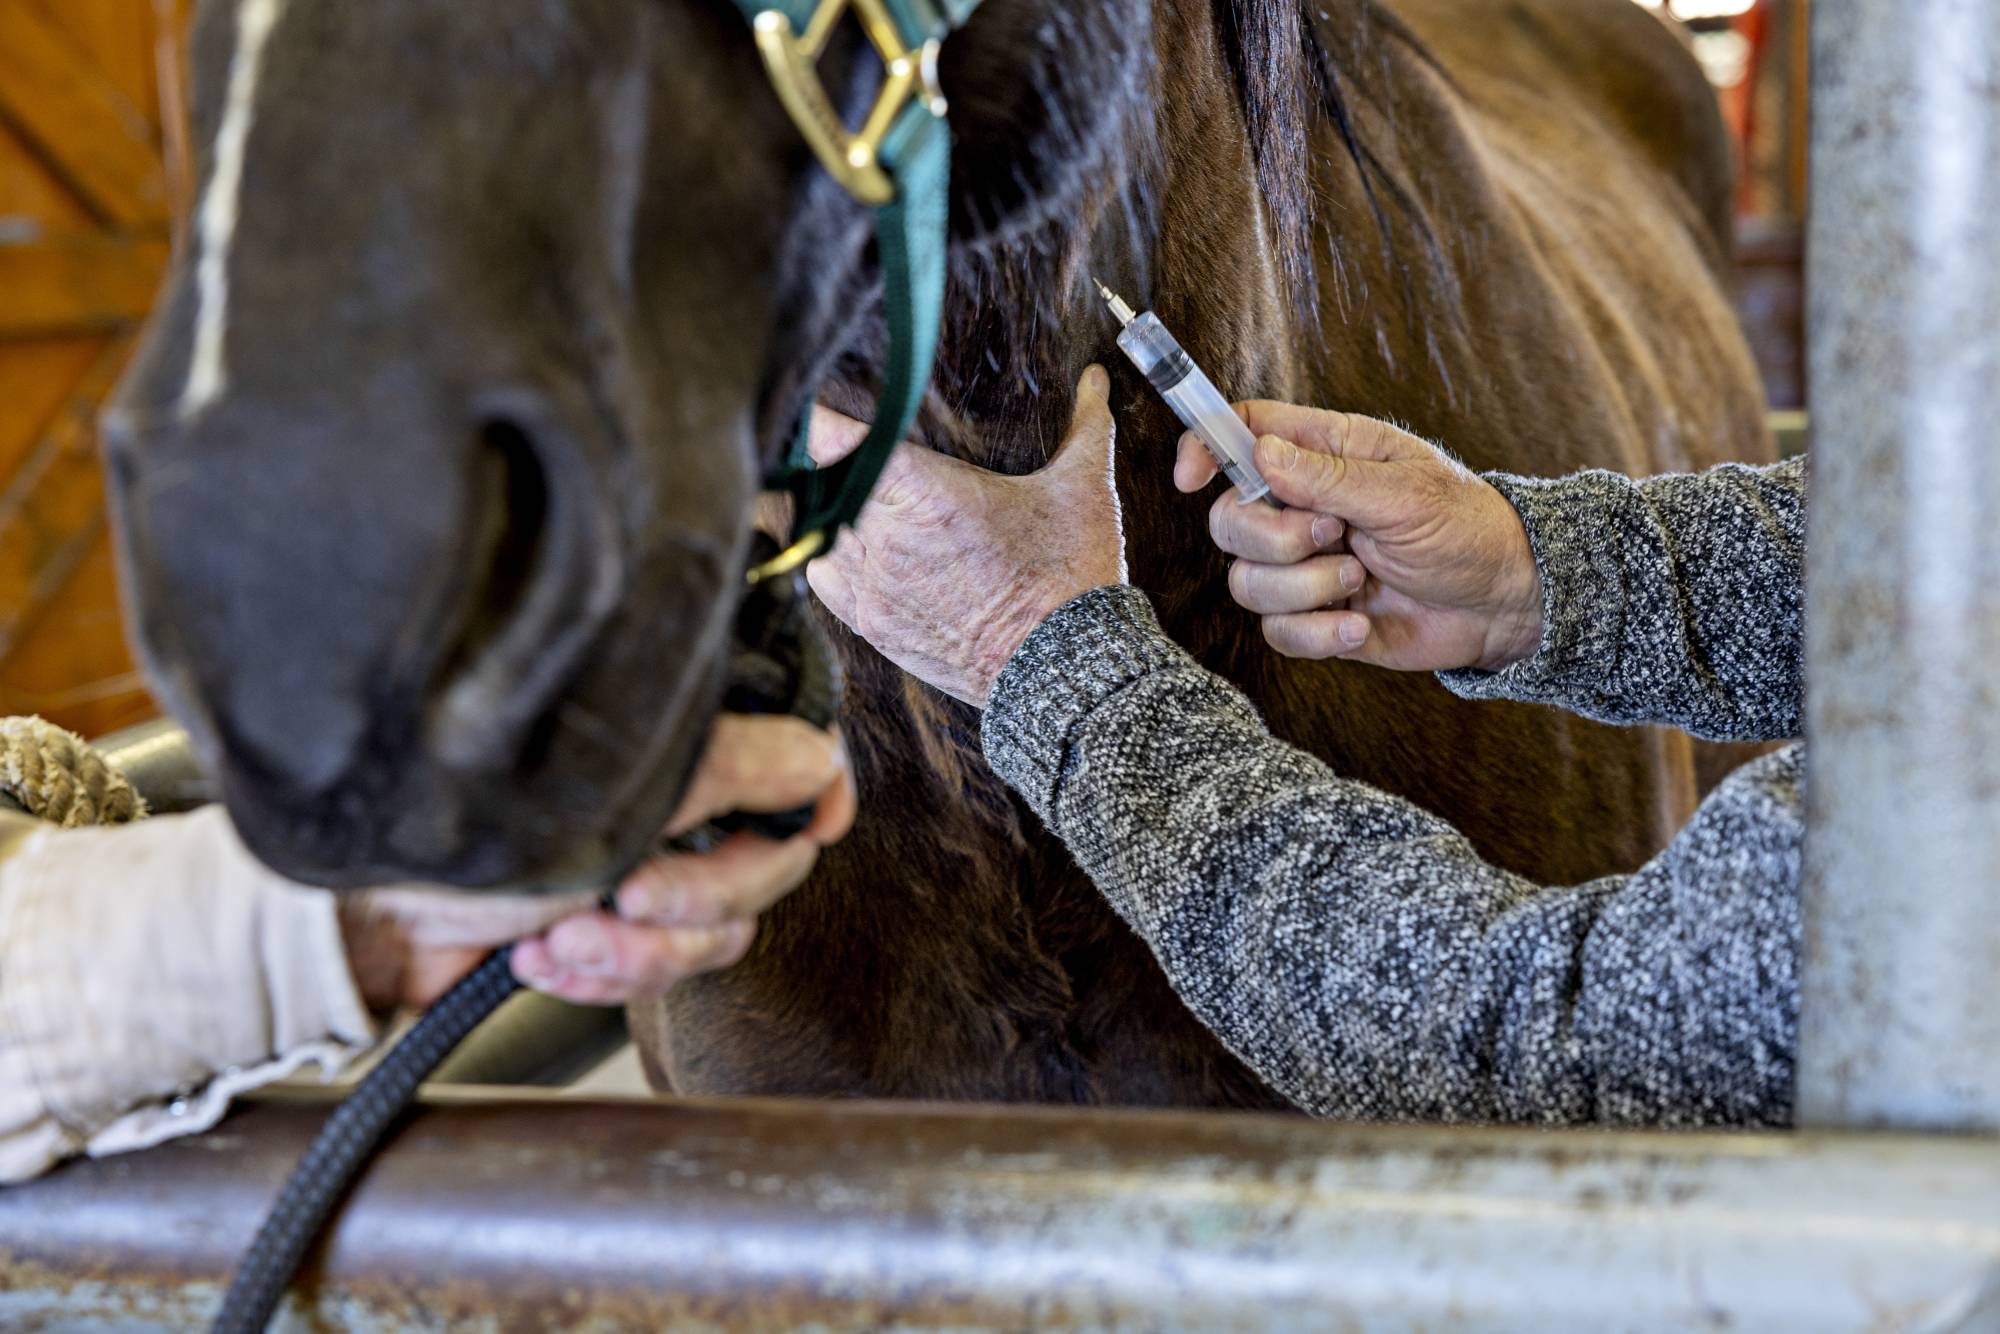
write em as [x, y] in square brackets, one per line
[791, 60]
[792, 559]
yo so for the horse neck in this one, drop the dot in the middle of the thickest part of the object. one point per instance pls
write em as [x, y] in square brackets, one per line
[1175, 221]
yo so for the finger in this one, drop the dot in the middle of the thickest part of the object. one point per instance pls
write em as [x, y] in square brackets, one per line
[833, 436]
[1194, 466]
[630, 958]
[759, 764]
[1311, 585]
[1271, 536]
[1365, 493]
[1322, 634]
[1325, 432]
[740, 878]
[532, 963]
[656, 964]
[838, 805]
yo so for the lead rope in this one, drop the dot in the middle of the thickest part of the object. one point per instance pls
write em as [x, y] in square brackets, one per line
[348, 1139]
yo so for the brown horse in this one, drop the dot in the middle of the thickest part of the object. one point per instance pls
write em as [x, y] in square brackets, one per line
[439, 463]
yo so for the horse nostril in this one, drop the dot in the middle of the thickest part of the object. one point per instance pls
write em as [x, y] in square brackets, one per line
[511, 505]
[518, 609]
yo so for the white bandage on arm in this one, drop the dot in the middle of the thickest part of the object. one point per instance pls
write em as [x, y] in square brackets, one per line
[148, 974]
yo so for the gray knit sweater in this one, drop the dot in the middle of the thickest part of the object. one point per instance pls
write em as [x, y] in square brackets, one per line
[1353, 948]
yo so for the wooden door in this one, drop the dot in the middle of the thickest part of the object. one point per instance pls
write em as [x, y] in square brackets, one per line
[89, 188]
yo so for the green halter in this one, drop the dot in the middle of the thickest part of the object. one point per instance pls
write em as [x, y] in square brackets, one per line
[899, 164]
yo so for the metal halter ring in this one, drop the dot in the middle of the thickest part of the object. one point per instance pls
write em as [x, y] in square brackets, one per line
[792, 558]
[791, 60]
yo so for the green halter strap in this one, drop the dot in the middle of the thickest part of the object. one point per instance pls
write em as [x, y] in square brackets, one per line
[899, 164]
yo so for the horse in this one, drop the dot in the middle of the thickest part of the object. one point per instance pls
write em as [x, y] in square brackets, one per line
[434, 479]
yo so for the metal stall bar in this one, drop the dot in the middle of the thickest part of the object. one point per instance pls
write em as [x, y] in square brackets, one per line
[1902, 892]
[763, 1215]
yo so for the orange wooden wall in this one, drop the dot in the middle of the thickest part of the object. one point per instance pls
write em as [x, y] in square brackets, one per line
[89, 190]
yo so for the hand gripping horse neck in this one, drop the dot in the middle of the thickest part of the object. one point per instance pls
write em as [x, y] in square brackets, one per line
[898, 164]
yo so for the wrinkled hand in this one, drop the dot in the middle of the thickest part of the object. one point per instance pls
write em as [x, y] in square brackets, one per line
[951, 566]
[1390, 552]
[679, 914]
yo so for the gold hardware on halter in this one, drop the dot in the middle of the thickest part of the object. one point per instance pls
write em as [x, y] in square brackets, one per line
[791, 61]
[791, 558]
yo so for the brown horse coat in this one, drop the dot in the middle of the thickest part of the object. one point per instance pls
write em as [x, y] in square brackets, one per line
[1504, 225]
[433, 479]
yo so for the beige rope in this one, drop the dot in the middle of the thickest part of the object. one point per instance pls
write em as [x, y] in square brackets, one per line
[61, 778]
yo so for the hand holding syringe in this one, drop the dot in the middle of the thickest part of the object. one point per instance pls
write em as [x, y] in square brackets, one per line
[1193, 397]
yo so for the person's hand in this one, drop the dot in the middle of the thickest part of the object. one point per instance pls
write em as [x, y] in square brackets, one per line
[679, 914]
[951, 566]
[1389, 552]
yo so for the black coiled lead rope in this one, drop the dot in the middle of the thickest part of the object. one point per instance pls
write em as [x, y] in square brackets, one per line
[349, 1138]
[780, 664]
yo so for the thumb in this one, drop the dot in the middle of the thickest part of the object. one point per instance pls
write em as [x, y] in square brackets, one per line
[1086, 450]
[1364, 493]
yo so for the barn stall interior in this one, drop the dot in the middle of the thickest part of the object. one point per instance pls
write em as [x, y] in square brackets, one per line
[539, 1182]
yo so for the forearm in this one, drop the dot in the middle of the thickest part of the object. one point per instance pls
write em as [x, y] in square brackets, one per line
[1351, 948]
[147, 975]
[1677, 600]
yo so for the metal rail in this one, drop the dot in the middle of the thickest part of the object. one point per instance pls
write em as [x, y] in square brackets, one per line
[1902, 891]
[762, 1215]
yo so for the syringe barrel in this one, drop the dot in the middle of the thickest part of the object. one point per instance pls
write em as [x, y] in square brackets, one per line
[1197, 402]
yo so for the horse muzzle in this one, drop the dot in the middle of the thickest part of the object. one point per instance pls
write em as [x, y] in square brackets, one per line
[421, 661]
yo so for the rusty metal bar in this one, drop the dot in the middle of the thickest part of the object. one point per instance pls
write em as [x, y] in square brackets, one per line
[773, 1215]
[1902, 887]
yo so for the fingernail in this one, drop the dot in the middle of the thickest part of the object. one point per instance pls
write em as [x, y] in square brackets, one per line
[658, 899]
[531, 962]
[1327, 532]
[1352, 577]
[1354, 632]
[1281, 454]
[1098, 381]
[581, 945]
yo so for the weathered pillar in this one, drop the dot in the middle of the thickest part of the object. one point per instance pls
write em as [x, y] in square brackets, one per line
[1901, 985]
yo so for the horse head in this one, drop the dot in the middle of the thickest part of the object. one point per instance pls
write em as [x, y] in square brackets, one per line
[434, 478]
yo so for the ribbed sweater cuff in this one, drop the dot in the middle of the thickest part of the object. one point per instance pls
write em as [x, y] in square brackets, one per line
[1089, 650]
[1571, 523]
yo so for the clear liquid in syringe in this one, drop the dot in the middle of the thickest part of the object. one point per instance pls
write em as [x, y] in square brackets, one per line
[1193, 397]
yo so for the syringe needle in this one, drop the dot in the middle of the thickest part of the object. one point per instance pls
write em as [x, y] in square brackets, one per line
[1124, 312]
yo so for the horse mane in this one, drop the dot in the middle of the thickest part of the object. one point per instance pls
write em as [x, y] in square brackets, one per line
[1297, 66]
[1285, 79]
[1290, 79]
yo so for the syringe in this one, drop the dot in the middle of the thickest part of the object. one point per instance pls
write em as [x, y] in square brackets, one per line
[1193, 397]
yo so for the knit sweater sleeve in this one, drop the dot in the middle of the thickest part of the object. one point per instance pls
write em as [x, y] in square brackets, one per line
[1357, 952]
[1676, 600]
